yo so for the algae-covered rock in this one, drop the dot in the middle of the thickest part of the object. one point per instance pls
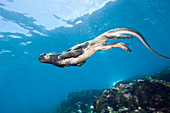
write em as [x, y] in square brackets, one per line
[163, 75]
[142, 95]
[79, 102]
[147, 94]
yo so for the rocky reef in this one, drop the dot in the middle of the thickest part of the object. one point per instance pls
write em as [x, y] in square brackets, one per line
[163, 75]
[147, 94]
[143, 95]
[79, 102]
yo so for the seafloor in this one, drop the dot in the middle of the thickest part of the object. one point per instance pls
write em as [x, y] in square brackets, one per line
[147, 94]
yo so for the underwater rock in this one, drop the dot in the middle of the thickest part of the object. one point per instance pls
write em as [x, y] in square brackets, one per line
[79, 102]
[163, 75]
[145, 95]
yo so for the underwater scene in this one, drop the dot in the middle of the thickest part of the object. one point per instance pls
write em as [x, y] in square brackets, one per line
[84, 56]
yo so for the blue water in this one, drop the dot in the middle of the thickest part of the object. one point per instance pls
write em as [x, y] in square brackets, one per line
[28, 86]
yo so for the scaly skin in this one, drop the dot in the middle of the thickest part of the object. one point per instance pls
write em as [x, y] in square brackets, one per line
[97, 44]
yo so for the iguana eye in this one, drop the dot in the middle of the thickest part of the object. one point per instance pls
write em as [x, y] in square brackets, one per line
[47, 56]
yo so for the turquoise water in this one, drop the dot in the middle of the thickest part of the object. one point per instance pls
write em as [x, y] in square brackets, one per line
[31, 28]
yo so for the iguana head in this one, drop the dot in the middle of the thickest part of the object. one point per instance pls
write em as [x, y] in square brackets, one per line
[45, 58]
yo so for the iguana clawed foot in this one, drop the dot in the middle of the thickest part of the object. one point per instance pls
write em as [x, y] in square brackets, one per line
[122, 46]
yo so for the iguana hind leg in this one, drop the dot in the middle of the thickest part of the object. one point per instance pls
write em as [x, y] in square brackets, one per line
[115, 45]
[117, 36]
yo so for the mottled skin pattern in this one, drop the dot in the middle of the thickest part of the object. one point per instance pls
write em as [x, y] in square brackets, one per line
[77, 55]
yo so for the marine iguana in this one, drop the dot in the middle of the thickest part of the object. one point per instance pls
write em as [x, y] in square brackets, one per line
[78, 54]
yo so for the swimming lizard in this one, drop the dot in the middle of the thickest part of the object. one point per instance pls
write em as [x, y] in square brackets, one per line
[78, 54]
